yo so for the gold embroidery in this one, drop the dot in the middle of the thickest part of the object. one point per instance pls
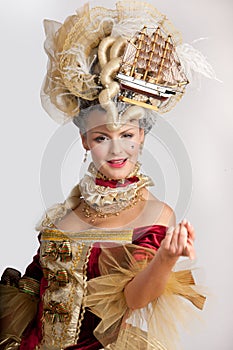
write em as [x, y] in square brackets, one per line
[77, 245]
[61, 325]
[88, 235]
[81, 317]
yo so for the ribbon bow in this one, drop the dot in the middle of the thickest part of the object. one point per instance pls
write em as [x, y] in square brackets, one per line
[55, 250]
[61, 276]
[56, 312]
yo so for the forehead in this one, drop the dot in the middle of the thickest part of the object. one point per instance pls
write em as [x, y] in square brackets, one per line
[98, 120]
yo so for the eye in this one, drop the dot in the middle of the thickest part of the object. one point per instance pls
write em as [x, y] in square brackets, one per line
[100, 138]
[127, 135]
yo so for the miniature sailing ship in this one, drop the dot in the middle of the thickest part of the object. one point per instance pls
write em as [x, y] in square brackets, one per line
[151, 71]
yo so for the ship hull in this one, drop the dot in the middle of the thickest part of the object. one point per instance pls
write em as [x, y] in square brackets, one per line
[141, 86]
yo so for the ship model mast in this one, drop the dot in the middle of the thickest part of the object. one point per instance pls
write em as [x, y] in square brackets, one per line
[151, 72]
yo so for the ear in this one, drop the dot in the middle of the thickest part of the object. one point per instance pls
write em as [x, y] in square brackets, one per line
[142, 135]
[84, 142]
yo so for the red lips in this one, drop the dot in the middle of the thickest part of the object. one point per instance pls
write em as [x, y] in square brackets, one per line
[117, 163]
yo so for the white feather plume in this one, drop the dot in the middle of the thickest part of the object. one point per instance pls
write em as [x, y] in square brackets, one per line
[193, 61]
[83, 68]
[128, 27]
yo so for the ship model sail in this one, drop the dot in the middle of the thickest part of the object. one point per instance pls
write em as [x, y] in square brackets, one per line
[151, 72]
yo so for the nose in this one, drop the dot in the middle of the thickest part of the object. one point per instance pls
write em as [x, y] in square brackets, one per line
[115, 147]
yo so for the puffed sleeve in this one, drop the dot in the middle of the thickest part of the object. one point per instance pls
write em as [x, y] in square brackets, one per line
[34, 269]
[19, 302]
[147, 237]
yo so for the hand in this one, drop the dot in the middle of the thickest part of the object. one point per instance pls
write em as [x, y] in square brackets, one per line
[179, 241]
[189, 249]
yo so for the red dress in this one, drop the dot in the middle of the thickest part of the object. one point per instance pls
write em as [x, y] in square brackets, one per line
[147, 237]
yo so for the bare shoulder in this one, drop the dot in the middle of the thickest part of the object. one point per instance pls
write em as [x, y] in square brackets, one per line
[167, 217]
[163, 213]
[72, 222]
[66, 223]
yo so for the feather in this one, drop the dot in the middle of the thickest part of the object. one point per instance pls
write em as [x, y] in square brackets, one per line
[128, 27]
[194, 62]
[83, 67]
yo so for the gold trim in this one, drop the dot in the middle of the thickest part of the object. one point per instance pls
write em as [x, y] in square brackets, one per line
[83, 306]
[60, 335]
[138, 103]
[88, 235]
[29, 285]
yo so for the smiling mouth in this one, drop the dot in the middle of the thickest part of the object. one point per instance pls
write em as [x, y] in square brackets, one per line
[117, 163]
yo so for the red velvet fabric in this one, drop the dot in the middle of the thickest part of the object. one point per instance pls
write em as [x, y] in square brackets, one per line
[116, 183]
[147, 236]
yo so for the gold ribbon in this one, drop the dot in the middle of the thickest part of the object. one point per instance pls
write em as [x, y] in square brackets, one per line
[29, 285]
[56, 312]
[55, 250]
[10, 342]
[61, 276]
[105, 298]
[182, 283]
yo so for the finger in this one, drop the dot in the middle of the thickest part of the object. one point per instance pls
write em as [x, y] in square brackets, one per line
[191, 231]
[167, 240]
[182, 241]
[170, 230]
[190, 228]
[184, 222]
[190, 252]
[174, 241]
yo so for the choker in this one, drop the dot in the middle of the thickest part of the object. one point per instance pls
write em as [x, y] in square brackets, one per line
[108, 197]
[116, 183]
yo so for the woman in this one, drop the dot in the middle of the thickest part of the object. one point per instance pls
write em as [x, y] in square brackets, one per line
[104, 274]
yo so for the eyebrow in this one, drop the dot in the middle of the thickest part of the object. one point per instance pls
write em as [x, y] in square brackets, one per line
[106, 134]
[99, 132]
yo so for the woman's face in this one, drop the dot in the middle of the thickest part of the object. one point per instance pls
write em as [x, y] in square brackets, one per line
[114, 153]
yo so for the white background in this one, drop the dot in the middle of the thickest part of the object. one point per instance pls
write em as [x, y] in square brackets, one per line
[203, 120]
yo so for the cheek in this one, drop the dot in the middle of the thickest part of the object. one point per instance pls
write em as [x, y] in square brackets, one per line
[131, 147]
[99, 153]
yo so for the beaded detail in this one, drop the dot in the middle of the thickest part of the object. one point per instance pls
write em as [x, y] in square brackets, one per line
[108, 201]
